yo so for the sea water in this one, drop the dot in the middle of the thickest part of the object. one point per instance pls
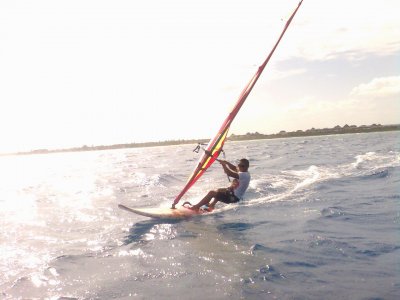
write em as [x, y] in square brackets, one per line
[320, 221]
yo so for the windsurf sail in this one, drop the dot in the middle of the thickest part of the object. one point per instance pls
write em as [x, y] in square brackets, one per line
[215, 145]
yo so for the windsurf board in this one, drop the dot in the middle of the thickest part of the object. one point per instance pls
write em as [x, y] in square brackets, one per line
[181, 212]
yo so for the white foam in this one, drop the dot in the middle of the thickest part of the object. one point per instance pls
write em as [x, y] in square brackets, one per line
[299, 183]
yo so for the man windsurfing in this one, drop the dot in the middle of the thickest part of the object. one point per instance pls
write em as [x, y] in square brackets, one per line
[232, 194]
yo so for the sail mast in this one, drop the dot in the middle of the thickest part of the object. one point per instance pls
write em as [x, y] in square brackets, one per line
[248, 88]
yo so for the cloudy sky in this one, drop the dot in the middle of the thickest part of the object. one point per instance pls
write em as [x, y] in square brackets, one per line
[104, 72]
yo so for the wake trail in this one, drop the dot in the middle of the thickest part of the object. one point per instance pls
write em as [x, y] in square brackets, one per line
[297, 184]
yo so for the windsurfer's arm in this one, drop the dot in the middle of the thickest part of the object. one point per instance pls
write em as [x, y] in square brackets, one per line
[222, 161]
[231, 166]
[229, 169]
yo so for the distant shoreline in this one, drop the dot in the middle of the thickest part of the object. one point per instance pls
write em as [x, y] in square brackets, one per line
[233, 137]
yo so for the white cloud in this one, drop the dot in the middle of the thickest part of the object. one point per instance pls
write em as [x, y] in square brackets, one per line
[379, 87]
[342, 28]
[367, 103]
[374, 102]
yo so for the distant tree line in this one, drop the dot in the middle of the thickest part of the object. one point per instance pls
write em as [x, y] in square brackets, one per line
[315, 132]
[233, 137]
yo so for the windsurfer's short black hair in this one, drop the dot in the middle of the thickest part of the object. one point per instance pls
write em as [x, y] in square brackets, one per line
[245, 162]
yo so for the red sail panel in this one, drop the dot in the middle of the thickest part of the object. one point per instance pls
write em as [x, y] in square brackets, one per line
[214, 148]
[215, 145]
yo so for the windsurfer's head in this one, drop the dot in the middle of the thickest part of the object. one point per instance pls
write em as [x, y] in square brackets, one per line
[243, 164]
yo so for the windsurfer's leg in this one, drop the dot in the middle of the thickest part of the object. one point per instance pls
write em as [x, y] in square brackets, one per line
[212, 203]
[205, 200]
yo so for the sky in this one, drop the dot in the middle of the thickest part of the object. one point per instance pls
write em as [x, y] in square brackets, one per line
[99, 72]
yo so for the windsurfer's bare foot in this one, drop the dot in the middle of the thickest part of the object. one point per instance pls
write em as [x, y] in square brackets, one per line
[207, 208]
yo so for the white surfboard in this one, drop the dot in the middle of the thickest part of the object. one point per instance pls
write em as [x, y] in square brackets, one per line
[181, 212]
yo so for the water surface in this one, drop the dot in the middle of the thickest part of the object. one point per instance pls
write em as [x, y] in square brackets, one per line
[320, 221]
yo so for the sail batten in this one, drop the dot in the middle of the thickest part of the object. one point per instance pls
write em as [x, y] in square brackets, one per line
[215, 145]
